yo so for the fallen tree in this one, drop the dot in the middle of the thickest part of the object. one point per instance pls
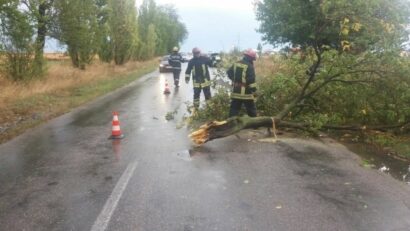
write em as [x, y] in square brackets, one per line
[349, 70]
[219, 129]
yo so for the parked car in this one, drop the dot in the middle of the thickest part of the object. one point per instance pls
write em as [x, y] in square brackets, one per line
[215, 58]
[164, 65]
[186, 57]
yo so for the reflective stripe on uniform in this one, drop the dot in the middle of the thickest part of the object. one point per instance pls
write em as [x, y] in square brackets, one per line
[243, 75]
[203, 70]
[201, 85]
[196, 102]
[243, 88]
[242, 96]
[206, 83]
[240, 65]
[253, 85]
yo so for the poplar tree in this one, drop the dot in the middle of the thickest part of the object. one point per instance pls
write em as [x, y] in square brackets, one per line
[40, 14]
[78, 29]
[123, 30]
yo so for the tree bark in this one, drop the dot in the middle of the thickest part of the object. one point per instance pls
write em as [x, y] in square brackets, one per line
[218, 129]
[41, 36]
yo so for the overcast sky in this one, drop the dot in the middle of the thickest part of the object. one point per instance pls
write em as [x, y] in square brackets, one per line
[216, 25]
[213, 25]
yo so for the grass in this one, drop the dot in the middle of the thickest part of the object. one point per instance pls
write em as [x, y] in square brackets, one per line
[403, 148]
[26, 104]
[267, 67]
[399, 145]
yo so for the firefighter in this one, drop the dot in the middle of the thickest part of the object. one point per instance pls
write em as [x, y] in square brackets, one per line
[198, 65]
[175, 60]
[242, 75]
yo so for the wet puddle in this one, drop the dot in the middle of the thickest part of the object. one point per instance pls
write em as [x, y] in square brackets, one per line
[373, 157]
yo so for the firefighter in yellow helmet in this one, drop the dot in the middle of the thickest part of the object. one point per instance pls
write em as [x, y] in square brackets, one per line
[198, 65]
[242, 75]
[175, 60]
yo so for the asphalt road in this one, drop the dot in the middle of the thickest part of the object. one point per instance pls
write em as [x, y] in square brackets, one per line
[66, 175]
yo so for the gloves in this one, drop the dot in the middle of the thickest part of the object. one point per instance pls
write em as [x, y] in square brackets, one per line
[187, 77]
[186, 80]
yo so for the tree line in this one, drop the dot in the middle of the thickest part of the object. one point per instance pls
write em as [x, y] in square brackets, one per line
[115, 30]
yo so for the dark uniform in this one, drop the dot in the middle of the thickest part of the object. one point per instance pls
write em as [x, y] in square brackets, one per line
[200, 77]
[242, 75]
[175, 60]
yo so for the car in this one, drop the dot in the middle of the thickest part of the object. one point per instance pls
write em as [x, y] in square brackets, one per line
[164, 65]
[215, 58]
[186, 57]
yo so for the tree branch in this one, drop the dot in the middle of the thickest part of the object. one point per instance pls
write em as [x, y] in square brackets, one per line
[311, 73]
[332, 79]
[219, 129]
[351, 81]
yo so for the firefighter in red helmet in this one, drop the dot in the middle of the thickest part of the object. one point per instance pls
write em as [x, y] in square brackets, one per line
[242, 75]
[198, 65]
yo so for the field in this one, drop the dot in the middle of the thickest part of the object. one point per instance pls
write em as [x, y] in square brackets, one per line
[26, 104]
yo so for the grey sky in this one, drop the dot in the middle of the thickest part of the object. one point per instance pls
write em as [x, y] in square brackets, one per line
[215, 25]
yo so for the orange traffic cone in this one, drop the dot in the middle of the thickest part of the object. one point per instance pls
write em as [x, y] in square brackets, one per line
[116, 130]
[166, 90]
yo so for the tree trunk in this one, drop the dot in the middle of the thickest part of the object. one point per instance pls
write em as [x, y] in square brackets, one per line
[219, 129]
[41, 38]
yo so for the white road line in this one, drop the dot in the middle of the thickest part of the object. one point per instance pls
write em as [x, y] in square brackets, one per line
[105, 216]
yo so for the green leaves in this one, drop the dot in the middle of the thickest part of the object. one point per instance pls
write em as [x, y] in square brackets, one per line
[123, 28]
[364, 24]
[168, 30]
[110, 28]
[350, 61]
[16, 35]
[78, 24]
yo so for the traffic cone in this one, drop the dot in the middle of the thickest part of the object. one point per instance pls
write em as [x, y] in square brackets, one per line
[116, 130]
[166, 90]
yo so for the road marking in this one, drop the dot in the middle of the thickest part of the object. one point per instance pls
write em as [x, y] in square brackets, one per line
[104, 218]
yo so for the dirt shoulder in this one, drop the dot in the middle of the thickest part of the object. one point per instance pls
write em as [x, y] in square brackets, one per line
[28, 104]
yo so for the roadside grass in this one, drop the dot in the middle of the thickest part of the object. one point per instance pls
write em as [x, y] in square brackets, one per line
[269, 66]
[28, 104]
[403, 148]
[397, 145]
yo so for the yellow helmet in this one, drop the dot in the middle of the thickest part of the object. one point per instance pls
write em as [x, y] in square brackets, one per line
[175, 49]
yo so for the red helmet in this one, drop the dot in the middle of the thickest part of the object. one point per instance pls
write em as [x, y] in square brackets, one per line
[250, 53]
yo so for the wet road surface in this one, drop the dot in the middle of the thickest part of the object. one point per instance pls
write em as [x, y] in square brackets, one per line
[66, 175]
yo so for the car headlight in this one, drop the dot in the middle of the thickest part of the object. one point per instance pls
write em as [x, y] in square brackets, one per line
[161, 65]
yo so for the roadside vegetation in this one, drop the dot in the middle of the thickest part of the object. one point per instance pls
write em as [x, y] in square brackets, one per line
[24, 105]
[107, 44]
[343, 70]
[115, 30]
